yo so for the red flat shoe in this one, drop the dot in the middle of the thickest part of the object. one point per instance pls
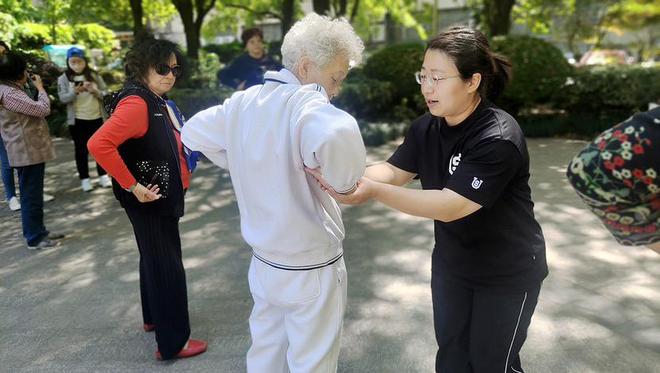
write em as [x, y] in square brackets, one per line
[149, 327]
[195, 347]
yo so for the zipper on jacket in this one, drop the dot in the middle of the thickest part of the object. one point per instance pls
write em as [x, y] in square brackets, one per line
[170, 128]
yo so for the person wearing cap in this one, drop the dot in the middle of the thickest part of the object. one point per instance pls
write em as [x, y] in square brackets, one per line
[82, 90]
[248, 69]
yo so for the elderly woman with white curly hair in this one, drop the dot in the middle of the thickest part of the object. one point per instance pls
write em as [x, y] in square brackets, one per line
[266, 136]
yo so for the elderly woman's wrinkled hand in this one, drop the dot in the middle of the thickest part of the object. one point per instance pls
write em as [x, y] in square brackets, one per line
[146, 194]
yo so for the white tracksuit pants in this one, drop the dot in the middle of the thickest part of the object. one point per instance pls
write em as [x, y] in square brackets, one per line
[297, 318]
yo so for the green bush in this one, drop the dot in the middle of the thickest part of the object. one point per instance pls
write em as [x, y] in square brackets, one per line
[274, 48]
[397, 65]
[34, 35]
[594, 99]
[30, 36]
[229, 51]
[225, 52]
[378, 133]
[371, 100]
[575, 125]
[57, 125]
[625, 89]
[385, 88]
[193, 100]
[539, 71]
[7, 26]
[200, 73]
[114, 78]
[365, 98]
[203, 72]
[93, 35]
[49, 72]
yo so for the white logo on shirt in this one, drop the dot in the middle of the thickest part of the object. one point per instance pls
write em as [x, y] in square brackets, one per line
[476, 183]
[453, 163]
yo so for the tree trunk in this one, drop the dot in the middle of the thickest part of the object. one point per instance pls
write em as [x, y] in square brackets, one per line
[288, 12]
[192, 41]
[185, 9]
[354, 12]
[321, 7]
[390, 30]
[192, 25]
[136, 10]
[343, 7]
[53, 31]
[572, 29]
[498, 16]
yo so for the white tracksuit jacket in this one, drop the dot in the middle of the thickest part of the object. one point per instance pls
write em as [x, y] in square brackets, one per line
[265, 136]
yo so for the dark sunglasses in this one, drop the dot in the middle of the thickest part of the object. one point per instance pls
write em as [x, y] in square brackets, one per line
[163, 69]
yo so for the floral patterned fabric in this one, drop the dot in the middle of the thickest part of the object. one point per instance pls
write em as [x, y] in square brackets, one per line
[616, 175]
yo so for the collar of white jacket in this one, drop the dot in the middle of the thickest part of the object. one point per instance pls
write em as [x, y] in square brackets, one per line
[285, 76]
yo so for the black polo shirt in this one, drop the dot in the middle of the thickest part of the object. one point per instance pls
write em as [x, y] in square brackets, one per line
[484, 159]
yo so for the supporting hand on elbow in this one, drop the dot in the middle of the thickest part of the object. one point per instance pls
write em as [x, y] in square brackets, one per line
[363, 191]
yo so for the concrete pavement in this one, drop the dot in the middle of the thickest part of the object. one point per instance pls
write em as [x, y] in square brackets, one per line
[76, 308]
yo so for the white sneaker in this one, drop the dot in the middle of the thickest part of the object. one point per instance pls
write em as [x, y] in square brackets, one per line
[48, 197]
[14, 204]
[105, 182]
[86, 185]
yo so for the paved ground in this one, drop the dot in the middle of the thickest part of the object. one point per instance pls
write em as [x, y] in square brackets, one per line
[76, 308]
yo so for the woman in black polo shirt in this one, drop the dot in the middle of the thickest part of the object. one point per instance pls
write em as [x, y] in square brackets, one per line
[471, 157]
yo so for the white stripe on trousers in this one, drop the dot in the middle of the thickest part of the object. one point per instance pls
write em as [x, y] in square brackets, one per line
[522, 307]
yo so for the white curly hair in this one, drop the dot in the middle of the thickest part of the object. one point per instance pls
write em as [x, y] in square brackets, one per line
[321, 39]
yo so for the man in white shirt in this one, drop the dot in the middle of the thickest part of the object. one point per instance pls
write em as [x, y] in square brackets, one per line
[266, 136]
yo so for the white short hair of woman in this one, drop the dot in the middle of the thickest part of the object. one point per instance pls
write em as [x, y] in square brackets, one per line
[321, 39]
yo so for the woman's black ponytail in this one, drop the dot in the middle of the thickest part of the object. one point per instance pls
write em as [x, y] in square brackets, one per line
[502, 74]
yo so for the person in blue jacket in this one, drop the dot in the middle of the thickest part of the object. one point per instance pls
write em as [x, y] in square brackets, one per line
[248, 69]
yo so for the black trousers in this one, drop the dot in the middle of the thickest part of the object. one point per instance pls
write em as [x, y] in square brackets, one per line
[480, 330]
[162, 279]
[81, 131]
